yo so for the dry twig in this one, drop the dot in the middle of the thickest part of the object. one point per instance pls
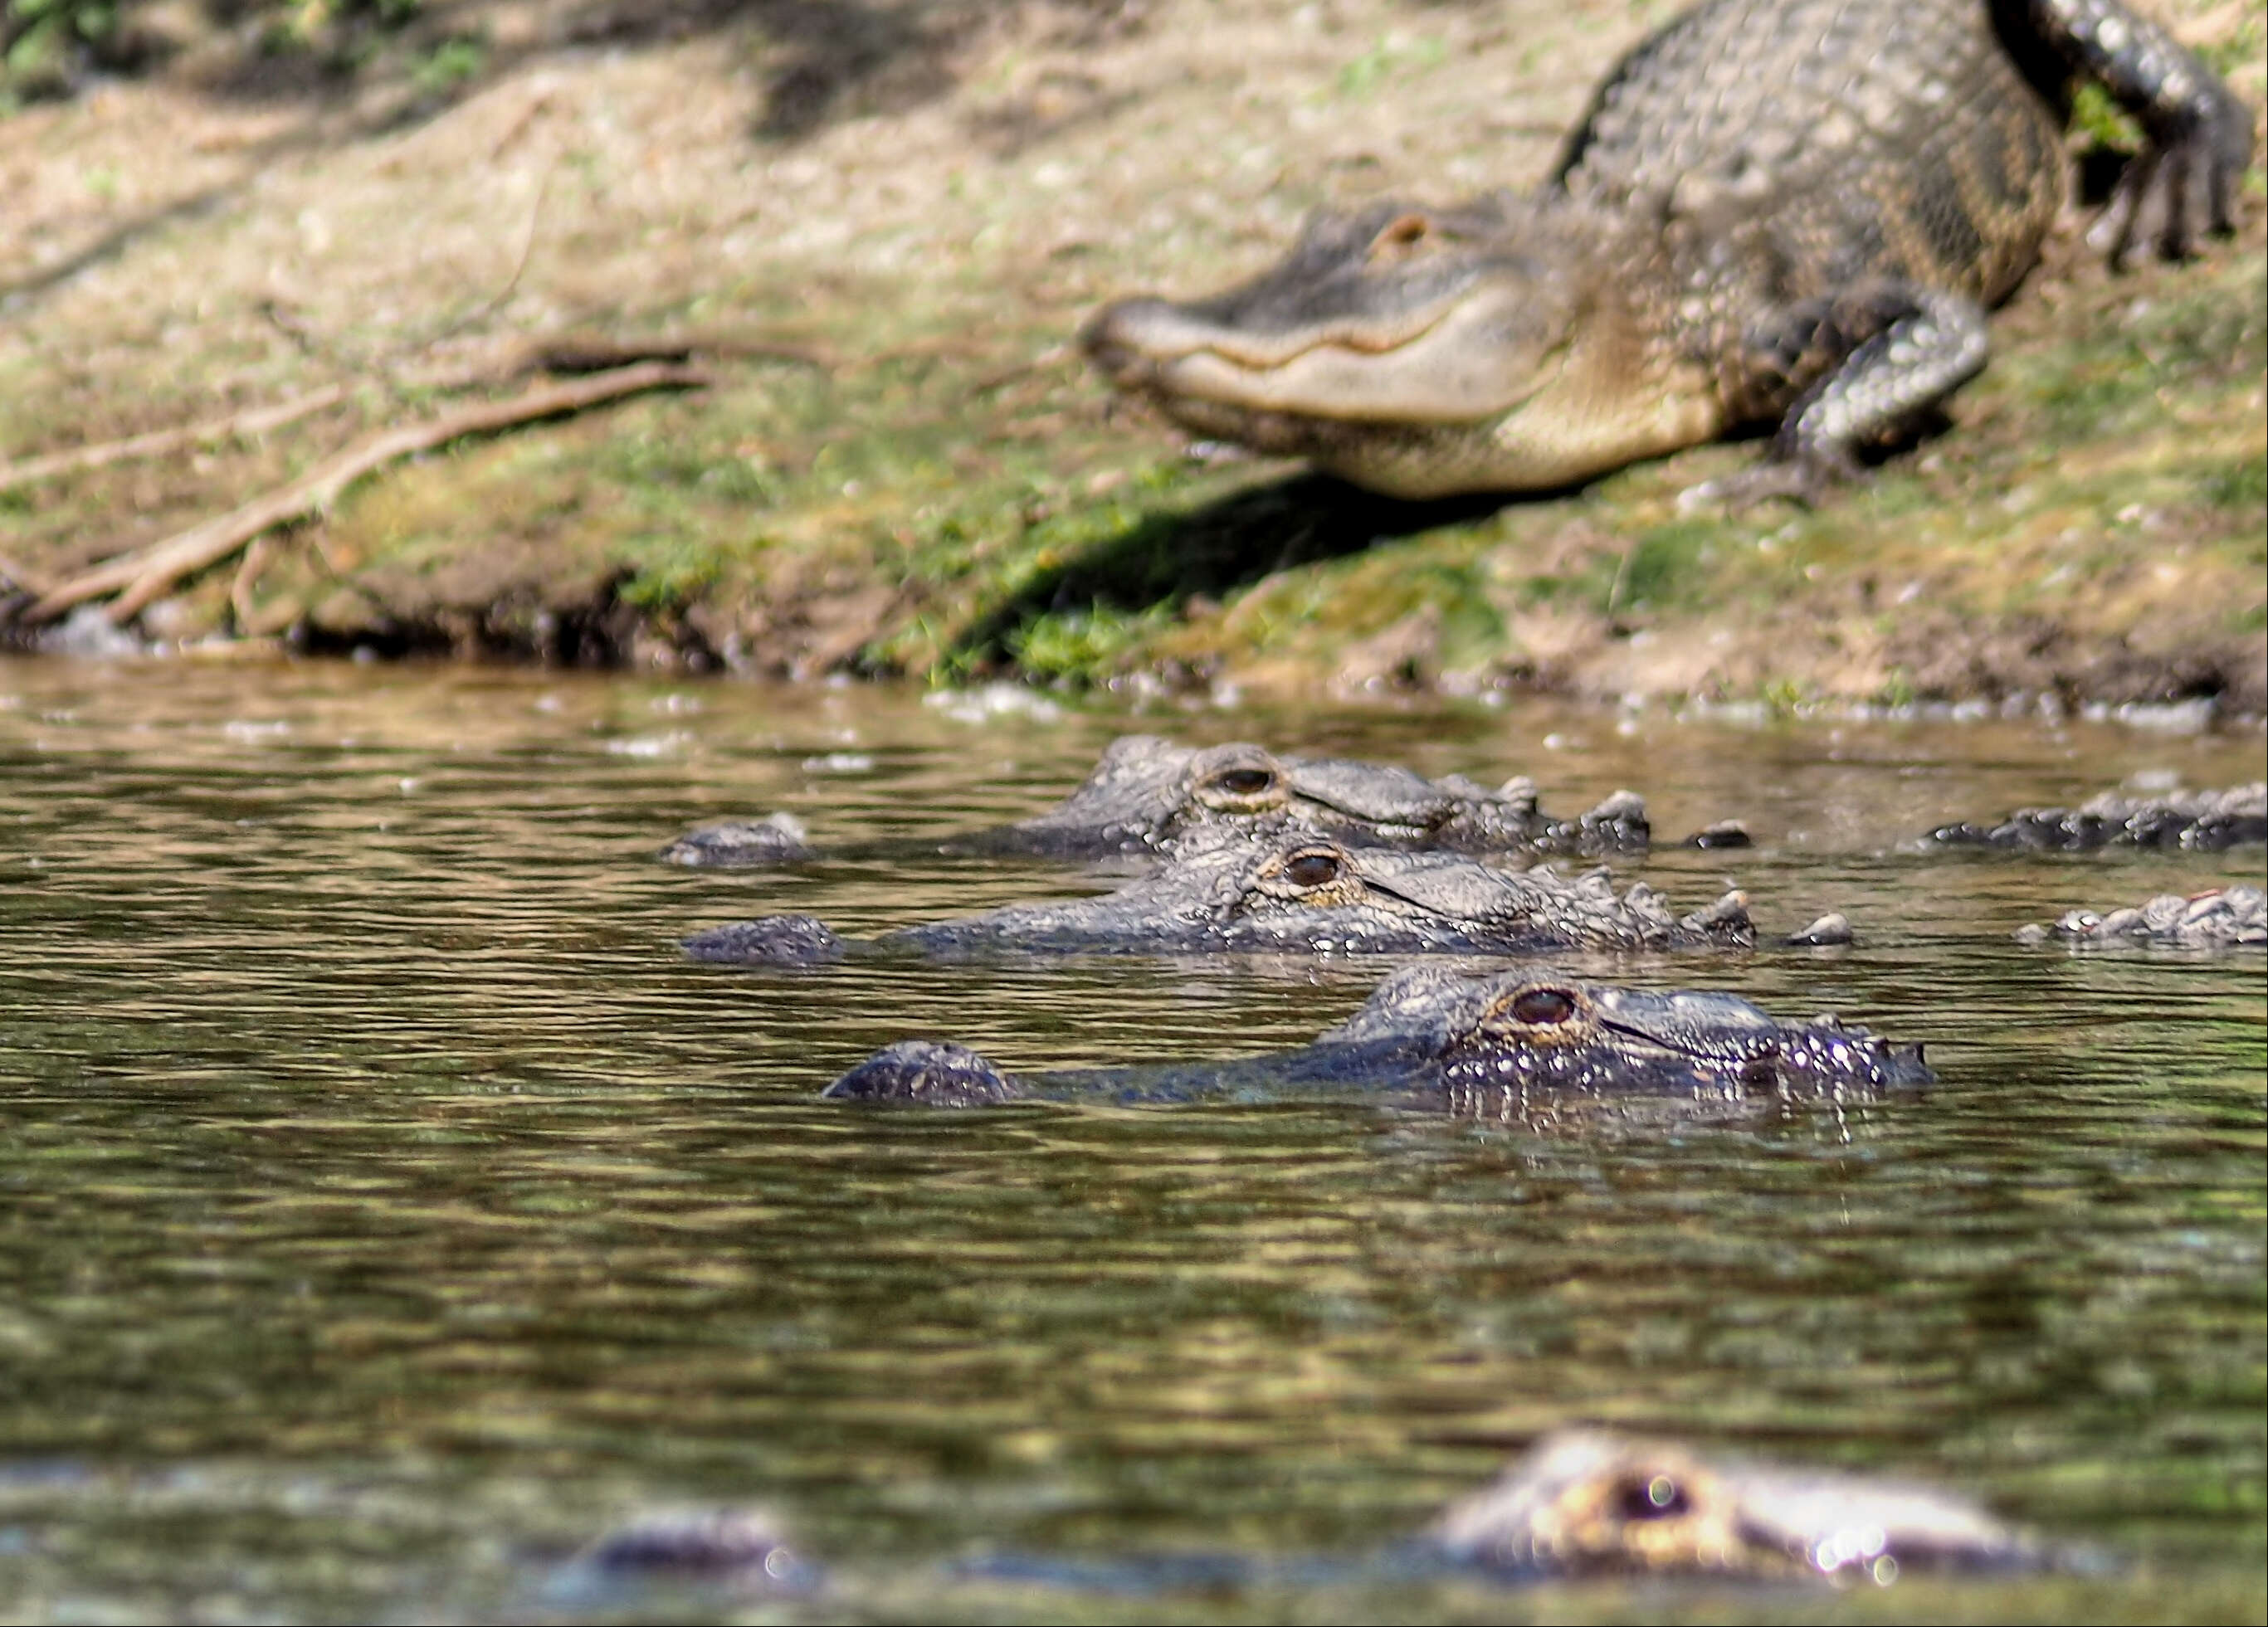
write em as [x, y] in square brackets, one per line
[139, 577]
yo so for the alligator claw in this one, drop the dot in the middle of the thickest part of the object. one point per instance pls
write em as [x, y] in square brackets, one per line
[2180, 188]
[1803, 478]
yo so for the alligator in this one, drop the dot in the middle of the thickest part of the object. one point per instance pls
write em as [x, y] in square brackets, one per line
[1286, 893]
[1149, 795]
[1790, 214]
[2224, 918]
[1580, 1504]
[2202, 821]
[1495, 1045]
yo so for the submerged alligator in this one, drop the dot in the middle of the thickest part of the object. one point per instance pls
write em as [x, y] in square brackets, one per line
[1790, 213]
[1505, 1044]
[1149, 795]
[2202, 821]
[1290, 892]
[1579, 1503]
[2224, 918]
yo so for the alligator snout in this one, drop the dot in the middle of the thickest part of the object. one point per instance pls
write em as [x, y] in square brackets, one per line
[1122, 338]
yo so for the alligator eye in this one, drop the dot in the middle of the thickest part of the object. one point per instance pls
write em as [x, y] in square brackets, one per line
[1312, 870]
[1244, 782]
[1400, 235]
[1540, 1008]
[1657, 1497]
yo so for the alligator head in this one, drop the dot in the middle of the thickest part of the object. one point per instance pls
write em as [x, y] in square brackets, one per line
[1150, 792]
[1288, 891]
[1418, 352]
[1585, 1502]
[1470, 1042]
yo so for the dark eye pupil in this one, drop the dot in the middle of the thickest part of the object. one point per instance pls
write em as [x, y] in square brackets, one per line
[1542, 1006]
[1246, 782]
[1657, 1497]
[1313, 869]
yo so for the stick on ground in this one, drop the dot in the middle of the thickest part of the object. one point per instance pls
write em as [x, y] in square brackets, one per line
[148, 572]
[157, 443]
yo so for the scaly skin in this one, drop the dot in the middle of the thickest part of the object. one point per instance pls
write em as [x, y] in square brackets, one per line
[1284, 893]
[1478, 1045]
[2201, 820]
[1149, 795]
[2224, 918]
[1776, 212]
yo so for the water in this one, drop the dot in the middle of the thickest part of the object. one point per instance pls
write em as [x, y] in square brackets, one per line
[386, 1207]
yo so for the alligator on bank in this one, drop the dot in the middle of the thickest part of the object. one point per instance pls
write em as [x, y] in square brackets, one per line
[1789, 213]
[1579, 1503]
[2224, 918]
[1289, 893]
[1493, 1045]
[2201, 820]
[1148, 794]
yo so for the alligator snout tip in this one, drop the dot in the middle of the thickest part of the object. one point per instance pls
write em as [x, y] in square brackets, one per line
[1122, 337]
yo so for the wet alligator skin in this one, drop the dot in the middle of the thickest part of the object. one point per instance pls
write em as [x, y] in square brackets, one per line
[1776, 212]
[1282, 892]
[2200, 820]
[1579, 1503]
[2224, 917]
[1149, 795]
[1502, 1044]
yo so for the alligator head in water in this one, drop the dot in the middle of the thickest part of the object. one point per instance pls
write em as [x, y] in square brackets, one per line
[1477, 1044]
[1148, 794]
[1289, 892]
[1585, 1502]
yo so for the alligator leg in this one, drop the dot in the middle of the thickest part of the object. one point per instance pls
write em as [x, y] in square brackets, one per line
[1878, 356]
[2198, 138]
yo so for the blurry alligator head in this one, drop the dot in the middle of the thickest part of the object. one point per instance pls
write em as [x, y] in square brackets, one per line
[1585, 1502]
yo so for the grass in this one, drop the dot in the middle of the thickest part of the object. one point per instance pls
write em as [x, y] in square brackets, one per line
[943, 491]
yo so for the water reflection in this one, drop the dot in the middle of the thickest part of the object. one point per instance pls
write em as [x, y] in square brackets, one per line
[385, 1205]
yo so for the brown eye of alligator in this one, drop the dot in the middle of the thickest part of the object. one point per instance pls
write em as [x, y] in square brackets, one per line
[1658, 1497]
[1244, 782]
[1312, 870]
[1406, 233]
[1540, 1008]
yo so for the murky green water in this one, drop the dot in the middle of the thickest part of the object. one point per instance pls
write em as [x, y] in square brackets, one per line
[385, 1206]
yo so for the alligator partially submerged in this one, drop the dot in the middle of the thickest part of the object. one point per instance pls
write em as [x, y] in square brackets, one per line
[1286, 893]
[1149, 795]
[1590, 1503]
[2201, 820]
[1788, 213]
[1502, 1044]
[2223, 917]
[1579, 1503]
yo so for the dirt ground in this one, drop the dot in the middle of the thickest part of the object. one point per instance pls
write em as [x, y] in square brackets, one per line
[874, 226]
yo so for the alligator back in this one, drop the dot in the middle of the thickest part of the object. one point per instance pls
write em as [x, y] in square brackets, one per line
[1794, 147]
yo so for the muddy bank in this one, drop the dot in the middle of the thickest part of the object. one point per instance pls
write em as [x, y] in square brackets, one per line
[874, 243]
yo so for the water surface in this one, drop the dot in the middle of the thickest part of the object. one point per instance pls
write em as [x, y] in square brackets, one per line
[385, 1206]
